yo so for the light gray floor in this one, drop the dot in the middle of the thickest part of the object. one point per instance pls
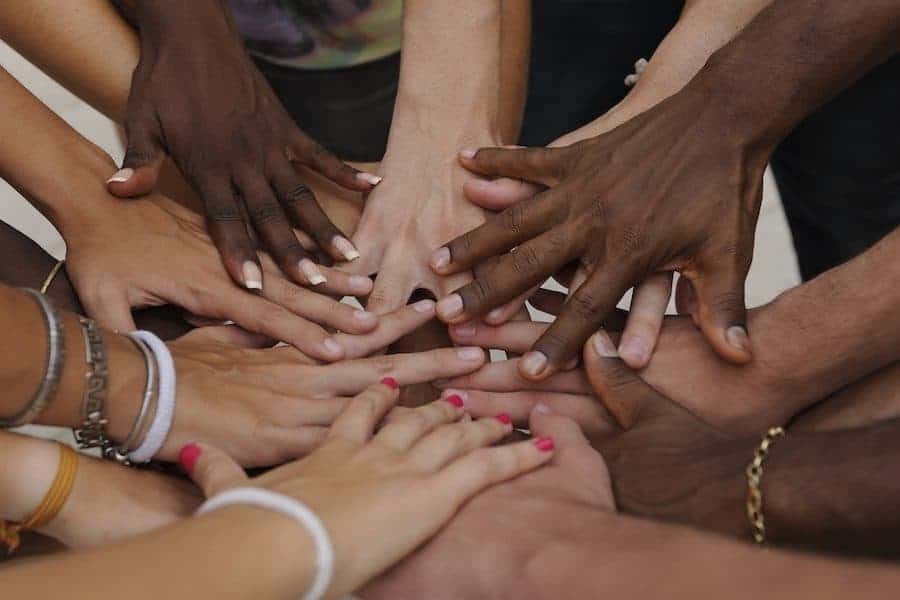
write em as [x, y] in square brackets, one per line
[774, 265]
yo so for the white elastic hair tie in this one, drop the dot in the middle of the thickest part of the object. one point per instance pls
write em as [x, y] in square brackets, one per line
[165, 405]
[285, 505]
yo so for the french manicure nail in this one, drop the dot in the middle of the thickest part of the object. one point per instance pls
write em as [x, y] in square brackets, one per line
[332, 347]
[465, 330]
[390, 382]
[188, 456]
[346, 248]
[252, 276]
[737, 337]
[504, 418]
[364, 317]
[369, 178]
[455, 399]
[544, 444]
[311, 272]
[470, 353]
[603, 345]
[424, 306]
[440, 258]
[534, 363]
[121, 176]
[468, 153]
[451, 306]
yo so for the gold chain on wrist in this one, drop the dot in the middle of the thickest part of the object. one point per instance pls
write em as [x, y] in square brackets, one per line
[53, 273]
[754, 479]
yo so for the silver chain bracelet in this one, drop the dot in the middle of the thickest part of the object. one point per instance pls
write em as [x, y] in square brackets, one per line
[92, 433]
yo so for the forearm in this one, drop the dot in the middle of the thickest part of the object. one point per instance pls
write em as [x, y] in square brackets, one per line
[612, 555]
[238, 552]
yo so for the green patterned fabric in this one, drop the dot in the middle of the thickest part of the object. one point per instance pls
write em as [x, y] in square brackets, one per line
[320, 34]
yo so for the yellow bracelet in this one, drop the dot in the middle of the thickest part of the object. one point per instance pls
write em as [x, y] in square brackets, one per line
[53, 272]
[53, 501]
[754, 479]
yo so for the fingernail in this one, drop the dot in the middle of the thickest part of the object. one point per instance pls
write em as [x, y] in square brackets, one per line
[252, 276]
[468, 153]
[534, 363]
[332, 347]
[364, 317]
[369, 178]
[346, 248]
[470, 353]
[390, 382]
[543, 409]
[495, 315]
[361, 284]
[121, 176]
[636, 349]
[737, 337]
[450, 307]
[455, 399]
[603, 345]
[188, 456]
[466, 330]
[504, 418]
[311, 272]
[424, 306]
[440, 258]
[544, 444]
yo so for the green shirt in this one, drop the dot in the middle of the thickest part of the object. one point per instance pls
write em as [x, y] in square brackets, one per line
[320, 34]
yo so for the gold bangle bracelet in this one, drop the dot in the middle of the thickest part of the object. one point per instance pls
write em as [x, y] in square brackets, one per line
[53, 501]
[754, 481]
[53, 273]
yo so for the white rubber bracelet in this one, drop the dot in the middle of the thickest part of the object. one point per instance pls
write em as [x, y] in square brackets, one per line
[165, 405]
[293, 508]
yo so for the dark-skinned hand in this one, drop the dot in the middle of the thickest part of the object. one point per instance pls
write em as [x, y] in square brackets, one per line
[674, 189]
[198, 97]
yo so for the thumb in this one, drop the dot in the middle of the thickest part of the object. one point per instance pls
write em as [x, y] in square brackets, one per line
[211, 469]
[143, 160]
[110, 309]
[538, 165]
[721, 313]
[627, 397]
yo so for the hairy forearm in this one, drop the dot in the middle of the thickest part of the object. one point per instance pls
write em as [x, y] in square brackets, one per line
[612, 555]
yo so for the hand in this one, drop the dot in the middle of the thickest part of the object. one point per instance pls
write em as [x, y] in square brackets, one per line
[675, 191]
[153, 251]
[267, 406]
[197, 96]
[505, 531]
[381, 495]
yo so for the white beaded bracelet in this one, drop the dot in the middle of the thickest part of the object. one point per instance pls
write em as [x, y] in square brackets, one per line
[165, 406]
[290, 507]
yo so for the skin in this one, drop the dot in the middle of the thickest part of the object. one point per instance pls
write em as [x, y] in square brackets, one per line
[263, 405]
[715, 136]
[424, 458]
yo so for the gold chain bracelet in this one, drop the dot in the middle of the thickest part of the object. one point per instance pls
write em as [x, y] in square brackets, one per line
[754, 479]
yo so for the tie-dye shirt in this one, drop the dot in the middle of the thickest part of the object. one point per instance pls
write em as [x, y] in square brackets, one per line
[320, 34]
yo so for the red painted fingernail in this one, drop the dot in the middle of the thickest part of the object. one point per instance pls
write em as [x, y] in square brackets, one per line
[544, 444]
[390, 382]
[188, 456]
[456, 400]
[504, 418]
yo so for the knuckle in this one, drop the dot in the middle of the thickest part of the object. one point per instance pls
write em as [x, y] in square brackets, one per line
[300, 194]
[265, 213]
[514, 218]
[587, 308]
[224, 213]
[384, 364]
[526, 261]
[728, 302]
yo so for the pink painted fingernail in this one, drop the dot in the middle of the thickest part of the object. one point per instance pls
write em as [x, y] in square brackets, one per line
[465, 330]
[544, 444]
[468, 153]
[441, 258]
[188, 456]
[390, 382]
[252, 276]
[534, 363]
[470, 353]
[121, 176]
[424, 306]
[346, 248]
[369, 178]
[450, 307]
[603, 345]
[311, 272]
[504, 418]
[455, 399]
